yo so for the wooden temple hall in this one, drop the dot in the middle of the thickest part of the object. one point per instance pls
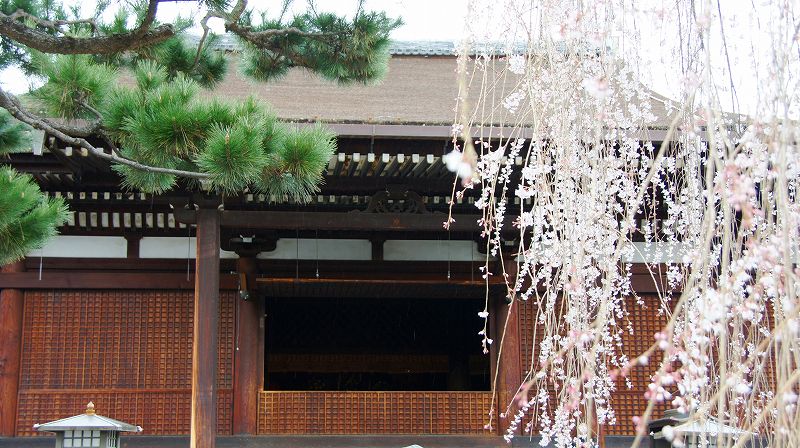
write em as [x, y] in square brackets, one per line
[356, 313]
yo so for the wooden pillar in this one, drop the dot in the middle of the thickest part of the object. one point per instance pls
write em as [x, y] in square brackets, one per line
[206, 322]
[509, 370]
[248, 356]
[12, 302]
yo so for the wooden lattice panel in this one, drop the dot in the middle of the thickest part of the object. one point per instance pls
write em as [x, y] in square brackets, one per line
[116, 339]
[373, 412]
[138, 344]
[157, 412]
[629, 404]
[646, 321]
[527, 322]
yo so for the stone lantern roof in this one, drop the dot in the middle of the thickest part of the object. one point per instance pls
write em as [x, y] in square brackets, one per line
[89, 420]
[686, 426]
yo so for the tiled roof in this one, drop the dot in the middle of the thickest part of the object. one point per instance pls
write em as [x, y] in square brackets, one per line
[422, 48]
[228, 42]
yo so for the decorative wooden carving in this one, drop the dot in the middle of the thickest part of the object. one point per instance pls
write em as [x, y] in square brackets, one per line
[248, 245]
[396, 199]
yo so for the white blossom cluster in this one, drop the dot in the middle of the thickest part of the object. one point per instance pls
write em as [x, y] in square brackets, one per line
[587, 162]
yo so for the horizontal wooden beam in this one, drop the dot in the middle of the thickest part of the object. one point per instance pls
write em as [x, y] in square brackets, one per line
[340, 221]
[130, 275]
[373, 281]
[106, 280]
[420, 270]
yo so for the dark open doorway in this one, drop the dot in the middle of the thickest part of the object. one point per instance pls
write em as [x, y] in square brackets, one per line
[374, 344]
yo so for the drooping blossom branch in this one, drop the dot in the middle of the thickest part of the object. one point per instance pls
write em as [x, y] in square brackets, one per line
[600, 172]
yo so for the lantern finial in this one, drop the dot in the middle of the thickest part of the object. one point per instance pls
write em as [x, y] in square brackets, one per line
[90, 408]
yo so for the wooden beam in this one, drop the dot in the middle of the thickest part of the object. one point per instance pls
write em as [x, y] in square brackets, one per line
[376, 289]
[12, 303]
[205, 321]
[373, 281]
[105, 280]
[248, 355]
[339, 221]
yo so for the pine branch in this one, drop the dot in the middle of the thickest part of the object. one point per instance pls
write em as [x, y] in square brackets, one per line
[12, 105]
[206, 30]
[263, 39]
[142, 36]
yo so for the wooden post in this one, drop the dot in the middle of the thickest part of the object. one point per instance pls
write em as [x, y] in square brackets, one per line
[12, 302]
[248, 356]
[509, 368]
[133, 241]
[206, 322]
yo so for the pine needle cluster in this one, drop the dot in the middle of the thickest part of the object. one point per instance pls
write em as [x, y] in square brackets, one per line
[295, 168]
[161, 122]
[27, 217]
[178, 56]
[14, 136]
[341, 50]
[75, 84]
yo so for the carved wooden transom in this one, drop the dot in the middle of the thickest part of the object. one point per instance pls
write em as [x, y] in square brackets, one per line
[396, 199]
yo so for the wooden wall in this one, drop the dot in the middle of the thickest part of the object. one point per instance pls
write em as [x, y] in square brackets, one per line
[128, 351]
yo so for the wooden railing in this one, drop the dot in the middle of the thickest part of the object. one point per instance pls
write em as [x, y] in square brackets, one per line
[164, 411]
[311, 412]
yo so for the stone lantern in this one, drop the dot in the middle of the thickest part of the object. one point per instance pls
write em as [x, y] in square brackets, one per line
[87, 430]
[691, 431]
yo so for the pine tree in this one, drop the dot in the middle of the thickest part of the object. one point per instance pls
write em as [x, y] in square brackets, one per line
[27, 217]
[162, 135]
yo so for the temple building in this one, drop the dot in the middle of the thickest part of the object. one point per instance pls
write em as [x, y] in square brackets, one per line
[355, 313]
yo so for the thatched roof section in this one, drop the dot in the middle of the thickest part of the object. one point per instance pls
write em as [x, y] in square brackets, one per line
[416, 90]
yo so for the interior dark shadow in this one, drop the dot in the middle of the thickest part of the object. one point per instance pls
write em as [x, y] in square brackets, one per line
[350, 344]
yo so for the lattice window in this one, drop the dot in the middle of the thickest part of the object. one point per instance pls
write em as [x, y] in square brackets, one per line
[81, 439]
